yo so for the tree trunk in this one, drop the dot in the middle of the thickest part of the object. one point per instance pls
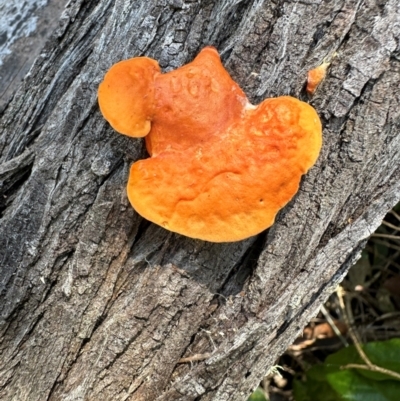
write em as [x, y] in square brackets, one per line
[98, 304]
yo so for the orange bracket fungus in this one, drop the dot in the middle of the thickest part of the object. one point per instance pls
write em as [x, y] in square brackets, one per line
[317, 75]
[220, 168]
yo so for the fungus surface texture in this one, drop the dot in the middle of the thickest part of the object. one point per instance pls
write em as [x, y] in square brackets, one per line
[220, 168]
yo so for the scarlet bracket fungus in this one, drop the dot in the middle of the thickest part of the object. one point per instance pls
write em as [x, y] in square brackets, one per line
[220, 168]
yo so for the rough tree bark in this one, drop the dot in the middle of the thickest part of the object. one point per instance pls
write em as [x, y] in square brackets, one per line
[98, 304]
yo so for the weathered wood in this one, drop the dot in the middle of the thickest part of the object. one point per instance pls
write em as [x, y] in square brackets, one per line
[96, 303]
[24, 28]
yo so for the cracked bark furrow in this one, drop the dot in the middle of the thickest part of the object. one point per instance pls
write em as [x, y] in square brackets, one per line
[98, 304]
[138, 330]
[48, 80]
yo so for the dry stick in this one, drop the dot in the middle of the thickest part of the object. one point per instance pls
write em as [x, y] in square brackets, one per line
[390, 225]
[388, 236]
[195, 358]
[374, 368]
[387, 244]
[200, 357]
[368, 364]
[333, 325]
[346, 313]
[388, 262]
[395, 214]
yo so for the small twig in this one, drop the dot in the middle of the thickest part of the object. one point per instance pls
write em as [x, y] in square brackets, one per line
[346, 313]
[333, 325]
[195, 358]
[223, 296]
[385, 316]
[368, 364]
[200, 357]
[390, 225]
[395, 214]
[388, 236]
[388, 244]
[210, 339]
[373, 368]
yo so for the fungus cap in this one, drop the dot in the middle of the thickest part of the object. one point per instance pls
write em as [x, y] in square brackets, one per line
[194, 103]
[126, 96]
[218, 173]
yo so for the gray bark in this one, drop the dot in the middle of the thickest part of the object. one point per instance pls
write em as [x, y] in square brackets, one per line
[24, 28]
[98, 304]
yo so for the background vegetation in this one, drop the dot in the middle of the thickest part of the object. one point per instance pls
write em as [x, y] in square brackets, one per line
[329, 362]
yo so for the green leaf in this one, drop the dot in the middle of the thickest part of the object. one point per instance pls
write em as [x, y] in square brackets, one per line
[330, 382]
[314, 390]
[385, 354]
[258, 395]
[354, 387]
